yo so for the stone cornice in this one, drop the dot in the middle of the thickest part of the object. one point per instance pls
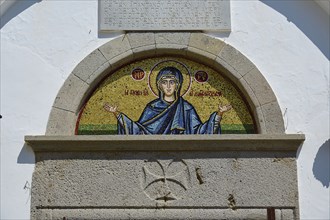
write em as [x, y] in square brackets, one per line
[232, 142]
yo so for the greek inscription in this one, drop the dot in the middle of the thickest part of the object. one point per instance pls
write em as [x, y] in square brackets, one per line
[133, 92]
[165, 15]
[203, 93]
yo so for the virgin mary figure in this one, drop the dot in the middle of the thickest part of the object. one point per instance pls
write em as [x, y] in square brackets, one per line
[169, 113]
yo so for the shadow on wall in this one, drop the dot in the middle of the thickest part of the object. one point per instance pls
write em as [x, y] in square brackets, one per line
[314, 25]
[26, 156]
[321, 168]
[15, 10]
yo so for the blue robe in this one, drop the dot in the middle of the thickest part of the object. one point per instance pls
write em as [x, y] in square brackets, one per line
[161, 117]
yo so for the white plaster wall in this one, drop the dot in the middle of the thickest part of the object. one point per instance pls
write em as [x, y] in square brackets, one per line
[42, 41]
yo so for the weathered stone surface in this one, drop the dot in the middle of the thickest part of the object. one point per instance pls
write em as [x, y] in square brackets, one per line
[85, 179]
[98, 75]
[261, 121]
[227, 69]
[141, 39]
[172, 38]
[224, 142]
[273, 118]
[121, 59]
[72, 94]
[236, 60]
[61, 122]
[171, 49]
[164, 15]
[160, 213]
[201, 56]
[206, 43]
[249, 94]
[260, 86]
[144, 51]
[115, 47]
[89, 65]
[152, 184]
[287, 214]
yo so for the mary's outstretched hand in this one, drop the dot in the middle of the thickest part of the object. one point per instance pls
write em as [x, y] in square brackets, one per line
[111, 108]
[223, 109]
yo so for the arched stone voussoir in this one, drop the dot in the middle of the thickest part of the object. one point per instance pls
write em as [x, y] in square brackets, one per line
[195, 46]
[206, 43]
[61, 122]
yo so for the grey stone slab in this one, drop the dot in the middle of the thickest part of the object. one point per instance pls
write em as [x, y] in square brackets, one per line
[227, 69]
[171, 49]
[115, 47]
[225, 142]
[273, 118]
[160, 213]
[260, 86]
[165, 179]
[122, 59]
[98, 74]
[144, 51]
[206, 43]
[201, 56]
[287, 214]
[278, 214]
[260, 121]
[236, 60]
[249, 94]
[61, 122]
[71, 94]
[172, 38]
[141, 39]
[89, 65]
[164, 15]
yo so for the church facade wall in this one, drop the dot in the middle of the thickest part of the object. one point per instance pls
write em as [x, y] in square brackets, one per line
[42, 43]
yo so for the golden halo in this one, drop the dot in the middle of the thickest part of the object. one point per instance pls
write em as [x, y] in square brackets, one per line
[170, 63]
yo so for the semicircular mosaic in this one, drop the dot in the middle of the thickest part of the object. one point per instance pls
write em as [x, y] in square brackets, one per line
[165, 95]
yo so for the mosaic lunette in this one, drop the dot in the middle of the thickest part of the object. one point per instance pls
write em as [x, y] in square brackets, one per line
[133, 87]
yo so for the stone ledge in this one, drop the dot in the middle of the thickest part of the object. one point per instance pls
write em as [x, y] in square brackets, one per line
[251, 142]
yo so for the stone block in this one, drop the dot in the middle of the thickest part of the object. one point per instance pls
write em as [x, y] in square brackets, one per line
[261, 125]
[136, 179]
[141, 39]
[89, 65]
[172, 38]
[171, 49]
[273, 118]
[260, 86]
[227, 69]
[248, 93]
[287, 214]
[206, 43]
[72, 94]
[61, 122]
[144, 52]
[99, 74]
[201, 56]
[122, 59]
[160, 213]
[115, 47]
[278, 214]
[236, 60]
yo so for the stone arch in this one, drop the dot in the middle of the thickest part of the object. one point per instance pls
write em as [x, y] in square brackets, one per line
[195, 46]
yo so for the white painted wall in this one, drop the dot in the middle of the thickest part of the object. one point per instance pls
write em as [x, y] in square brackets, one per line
[42, 41]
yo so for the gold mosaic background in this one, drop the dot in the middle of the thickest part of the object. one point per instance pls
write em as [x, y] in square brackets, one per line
[132, 96]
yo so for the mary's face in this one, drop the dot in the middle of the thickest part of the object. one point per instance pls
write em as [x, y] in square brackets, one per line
[168, 85]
